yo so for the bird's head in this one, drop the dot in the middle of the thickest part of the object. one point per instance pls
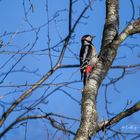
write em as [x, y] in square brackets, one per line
[87, 38]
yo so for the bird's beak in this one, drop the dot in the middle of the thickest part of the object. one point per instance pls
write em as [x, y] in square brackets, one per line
[93, 37]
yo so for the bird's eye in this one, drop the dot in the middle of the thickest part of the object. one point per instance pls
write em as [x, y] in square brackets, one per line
[83, 38]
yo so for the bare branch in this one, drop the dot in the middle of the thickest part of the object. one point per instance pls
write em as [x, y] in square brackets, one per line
[48, 34]
[112, 67]
[125, 66]
[65, 84]
[70, 15]
[131, 29]
[47, 75]
[81, 15]
[53, 122]
[120, 116]
[133, 11]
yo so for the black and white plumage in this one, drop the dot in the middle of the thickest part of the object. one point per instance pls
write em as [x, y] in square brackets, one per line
[88, 56]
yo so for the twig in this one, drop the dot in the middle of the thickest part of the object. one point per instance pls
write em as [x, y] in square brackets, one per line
[120, 116]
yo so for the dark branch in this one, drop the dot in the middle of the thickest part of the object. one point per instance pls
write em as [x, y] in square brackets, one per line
[70, 15]
[119, 117]
[112, 67]
[53, 122]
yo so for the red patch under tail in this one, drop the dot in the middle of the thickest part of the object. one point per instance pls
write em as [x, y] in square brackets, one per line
[88, 69]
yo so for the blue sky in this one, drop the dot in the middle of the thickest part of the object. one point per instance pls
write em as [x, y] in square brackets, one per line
[13, 20]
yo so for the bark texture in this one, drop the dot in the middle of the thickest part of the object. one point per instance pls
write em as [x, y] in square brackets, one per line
[89, 125]
[89, 117]
[110, 43]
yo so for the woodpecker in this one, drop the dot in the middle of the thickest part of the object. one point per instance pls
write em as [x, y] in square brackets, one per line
[88, 57]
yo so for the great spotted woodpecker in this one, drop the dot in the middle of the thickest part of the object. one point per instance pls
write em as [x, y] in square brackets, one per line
[88, 57]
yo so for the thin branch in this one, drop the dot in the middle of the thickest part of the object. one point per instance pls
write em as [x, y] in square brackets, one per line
[125, 66]
[70, 96]
[114, 80]
[70, 66]
[119, 117]
[133, 11]
[73, 28]
[53, 122]
[70, 15]
[47, 75]
[26, 94]
[17, 62]
[48, 33]
[112, 67]
[65, 84]
[81, 15]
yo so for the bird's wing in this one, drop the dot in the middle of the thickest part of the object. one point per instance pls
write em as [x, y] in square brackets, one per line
[85, 54]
